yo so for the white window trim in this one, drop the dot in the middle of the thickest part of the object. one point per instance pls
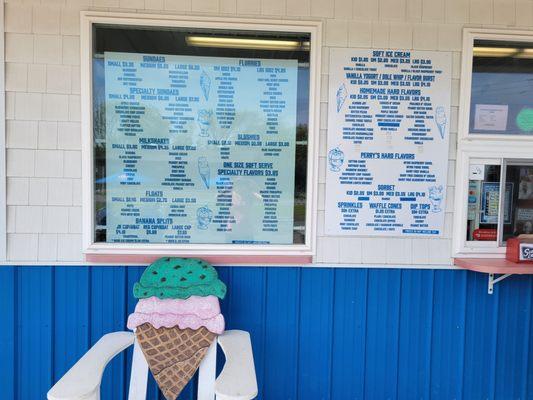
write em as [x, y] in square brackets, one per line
[3, 190]
[469, 35]
[93, 17]
[481, 146]
[484, 153]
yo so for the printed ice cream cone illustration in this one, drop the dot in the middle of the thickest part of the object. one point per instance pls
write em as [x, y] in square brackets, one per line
[204, 121]
[177, 318]
[436, 194]
[204, 171]
[204, 215]
[342, 93]
[440, 120]
[205, 84]
[335, 159]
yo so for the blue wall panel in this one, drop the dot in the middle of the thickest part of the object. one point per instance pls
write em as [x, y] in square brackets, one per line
[349, 334]
[317, 333]
[71, 317]
[8, 335]
[513, 337]
[448, 334]
[414, 342]
[282, 304]
[314, 336]
[108, 307]
[35, 344]
[382, 328]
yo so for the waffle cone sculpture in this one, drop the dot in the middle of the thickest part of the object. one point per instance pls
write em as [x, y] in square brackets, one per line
[176, 319]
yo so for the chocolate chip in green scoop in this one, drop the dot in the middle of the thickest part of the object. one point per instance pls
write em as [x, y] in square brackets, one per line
[179, 278]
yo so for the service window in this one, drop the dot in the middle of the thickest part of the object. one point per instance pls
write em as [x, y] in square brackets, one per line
[494, 180]
[201, 136]
[483, 202]
[518, 201]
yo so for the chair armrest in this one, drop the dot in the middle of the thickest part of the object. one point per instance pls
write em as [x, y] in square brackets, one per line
[237, 380]
[83, 380]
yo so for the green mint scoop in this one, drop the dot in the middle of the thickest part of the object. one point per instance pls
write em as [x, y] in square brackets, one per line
[179, 278]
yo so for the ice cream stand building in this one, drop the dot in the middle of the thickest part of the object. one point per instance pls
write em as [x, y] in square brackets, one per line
[359, 172]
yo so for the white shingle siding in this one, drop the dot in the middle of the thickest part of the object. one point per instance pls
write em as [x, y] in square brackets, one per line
[43, 106]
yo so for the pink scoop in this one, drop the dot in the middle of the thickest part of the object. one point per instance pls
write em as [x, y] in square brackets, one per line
[202, 307]
[215, 324]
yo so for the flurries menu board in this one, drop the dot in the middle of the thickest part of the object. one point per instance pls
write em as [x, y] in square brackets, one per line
[199, 149]
[388, 134]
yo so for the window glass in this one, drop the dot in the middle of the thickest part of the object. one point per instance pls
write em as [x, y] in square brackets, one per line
[200, 135]
[502, 83]
[483, 202]
[520, 203]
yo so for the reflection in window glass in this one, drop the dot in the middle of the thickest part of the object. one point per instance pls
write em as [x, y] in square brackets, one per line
[521, 201]
[200, 135]
[502, 83]
[483, 203]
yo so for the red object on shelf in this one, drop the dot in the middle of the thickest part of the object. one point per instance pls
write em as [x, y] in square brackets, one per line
[520, 250]
[485, 234]
[494, 265]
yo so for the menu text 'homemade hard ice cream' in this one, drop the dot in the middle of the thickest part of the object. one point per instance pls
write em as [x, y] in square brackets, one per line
[177, 318]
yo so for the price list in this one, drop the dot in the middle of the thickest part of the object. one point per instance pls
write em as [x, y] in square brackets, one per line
[387, 147]
[199, 149]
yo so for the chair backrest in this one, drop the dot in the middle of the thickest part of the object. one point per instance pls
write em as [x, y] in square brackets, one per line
[206, 378]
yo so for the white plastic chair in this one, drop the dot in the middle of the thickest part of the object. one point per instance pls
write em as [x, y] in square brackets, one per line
[237, 381]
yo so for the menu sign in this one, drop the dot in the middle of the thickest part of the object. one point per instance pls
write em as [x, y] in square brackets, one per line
[388, 134]
[199, 149]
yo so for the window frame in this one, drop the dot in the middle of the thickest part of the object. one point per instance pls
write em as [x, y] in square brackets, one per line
[126, 250]
[499, 148]
[469, 36]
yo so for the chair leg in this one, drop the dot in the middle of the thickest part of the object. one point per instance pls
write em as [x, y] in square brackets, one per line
[207, 374]
[139, 374]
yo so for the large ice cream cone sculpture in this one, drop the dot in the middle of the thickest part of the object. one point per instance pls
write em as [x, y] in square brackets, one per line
[177, 318]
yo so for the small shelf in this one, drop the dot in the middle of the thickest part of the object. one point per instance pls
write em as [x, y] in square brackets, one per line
[494, 265]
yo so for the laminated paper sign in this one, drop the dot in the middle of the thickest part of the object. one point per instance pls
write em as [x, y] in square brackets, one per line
[491, 117]
[199, 149]
[388, 134]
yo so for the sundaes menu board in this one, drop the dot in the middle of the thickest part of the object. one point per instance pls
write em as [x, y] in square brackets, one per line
[388, 133]
[199, 149]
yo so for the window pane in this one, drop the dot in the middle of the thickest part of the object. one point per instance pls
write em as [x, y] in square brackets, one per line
[200, 135]
[502, 83]
[483, 203]
[520, 203]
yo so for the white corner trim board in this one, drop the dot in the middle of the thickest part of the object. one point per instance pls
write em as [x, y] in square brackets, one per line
[3, 189]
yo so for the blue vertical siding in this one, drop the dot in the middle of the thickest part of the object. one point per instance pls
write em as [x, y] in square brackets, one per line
[415, 330]
[8, 335]
[382, 329]
[349, 339]
[34, 348]
[317, 333]
[481, 332]
[315, 327]
[448, 334]
[281, 327]
[513, 336]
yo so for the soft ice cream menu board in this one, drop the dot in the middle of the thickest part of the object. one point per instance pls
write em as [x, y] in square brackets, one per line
[199, 149]
[388, 133]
